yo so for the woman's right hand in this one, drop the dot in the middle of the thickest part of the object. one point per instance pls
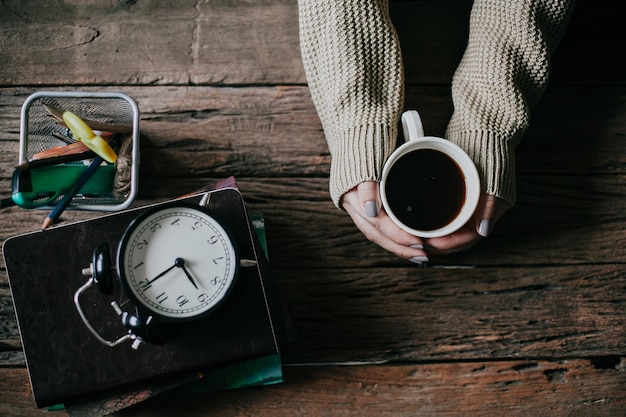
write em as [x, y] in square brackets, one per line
[364, 205]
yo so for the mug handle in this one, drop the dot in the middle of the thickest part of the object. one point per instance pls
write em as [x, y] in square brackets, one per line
[412, 125]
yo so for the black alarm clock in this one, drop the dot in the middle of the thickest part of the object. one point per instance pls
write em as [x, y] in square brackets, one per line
[175, 262]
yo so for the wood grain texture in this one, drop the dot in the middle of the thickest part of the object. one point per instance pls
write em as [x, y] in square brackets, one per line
[530, 322]
[306, 231]
[149, 42]
[226, 42]
[490, 389]
[456, 314]
[448, 389]
[192, 42]
[274, 131]
[410, 314]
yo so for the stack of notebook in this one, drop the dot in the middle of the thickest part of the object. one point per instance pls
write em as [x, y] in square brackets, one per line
[237, 345]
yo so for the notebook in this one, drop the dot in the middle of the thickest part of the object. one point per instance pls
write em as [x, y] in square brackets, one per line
[66, 363]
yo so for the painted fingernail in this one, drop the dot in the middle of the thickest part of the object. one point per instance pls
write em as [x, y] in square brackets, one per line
[484, 228]
[371, 208]
[417, 246]
[419, 260]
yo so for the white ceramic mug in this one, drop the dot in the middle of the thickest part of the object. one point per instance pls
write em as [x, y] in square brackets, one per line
[440, 181]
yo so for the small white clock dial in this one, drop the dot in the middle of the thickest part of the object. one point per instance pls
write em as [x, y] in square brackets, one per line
[177, 262]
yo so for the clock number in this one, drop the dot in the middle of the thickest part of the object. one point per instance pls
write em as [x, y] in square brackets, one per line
[197, 274]
[144, 284]
[182, 300]
[161, 297]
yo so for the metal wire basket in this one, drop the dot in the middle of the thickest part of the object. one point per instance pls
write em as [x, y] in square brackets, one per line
[105, 111]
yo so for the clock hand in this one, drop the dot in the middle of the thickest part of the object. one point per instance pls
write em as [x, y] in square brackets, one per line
[189, 276]
[162, 273]
[180, 262]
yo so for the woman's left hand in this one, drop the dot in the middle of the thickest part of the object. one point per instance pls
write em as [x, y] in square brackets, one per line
[490, 209]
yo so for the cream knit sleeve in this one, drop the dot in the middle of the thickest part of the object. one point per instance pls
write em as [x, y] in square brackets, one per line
[353, 65]
[502, 75]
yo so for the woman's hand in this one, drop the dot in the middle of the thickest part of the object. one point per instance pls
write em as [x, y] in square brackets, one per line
[363, 204]
[490, 209]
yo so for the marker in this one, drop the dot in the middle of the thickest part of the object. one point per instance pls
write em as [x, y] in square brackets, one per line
[82, 132]
[67, 198]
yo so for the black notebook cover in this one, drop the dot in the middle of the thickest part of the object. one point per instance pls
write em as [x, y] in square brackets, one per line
[66, 362]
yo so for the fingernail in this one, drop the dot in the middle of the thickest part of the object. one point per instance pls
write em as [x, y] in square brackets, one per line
[484, 228]
[417, 246]
[371, 208]
[419, 260]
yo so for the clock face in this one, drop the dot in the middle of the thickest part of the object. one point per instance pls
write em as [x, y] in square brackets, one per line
[177, 262]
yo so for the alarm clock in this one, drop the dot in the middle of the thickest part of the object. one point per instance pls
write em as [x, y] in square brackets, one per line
[175, 262]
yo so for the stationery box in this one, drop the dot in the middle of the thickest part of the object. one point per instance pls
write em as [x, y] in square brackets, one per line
[115, 114]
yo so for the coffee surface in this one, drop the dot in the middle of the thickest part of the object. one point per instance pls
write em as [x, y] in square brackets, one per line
[425, 189]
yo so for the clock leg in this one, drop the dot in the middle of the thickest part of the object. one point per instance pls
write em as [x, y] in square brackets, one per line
[148, 329]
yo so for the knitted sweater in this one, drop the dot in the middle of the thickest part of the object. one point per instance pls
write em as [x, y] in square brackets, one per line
[352, 59]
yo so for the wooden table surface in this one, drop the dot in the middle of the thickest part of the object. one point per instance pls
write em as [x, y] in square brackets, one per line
[530, 322]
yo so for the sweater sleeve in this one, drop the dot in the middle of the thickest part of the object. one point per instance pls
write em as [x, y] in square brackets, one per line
[353, 65]
[502, 75]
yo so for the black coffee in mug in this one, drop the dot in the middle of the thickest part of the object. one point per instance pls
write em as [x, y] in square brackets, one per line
[425, 189]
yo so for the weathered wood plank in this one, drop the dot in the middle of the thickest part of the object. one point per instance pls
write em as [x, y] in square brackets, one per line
[149, 42]
[274, 131]
[324, 240]
[486, 389]
[455, 314]
[413, 314]
[552, 215]
[190, 42]
[16, 397]
[222, 92]
[566, 220]
[466, 389]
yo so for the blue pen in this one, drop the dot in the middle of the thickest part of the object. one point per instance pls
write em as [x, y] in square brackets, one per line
[67, 198]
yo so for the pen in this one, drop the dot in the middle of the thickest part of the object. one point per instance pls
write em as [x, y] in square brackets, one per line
[67, 198]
